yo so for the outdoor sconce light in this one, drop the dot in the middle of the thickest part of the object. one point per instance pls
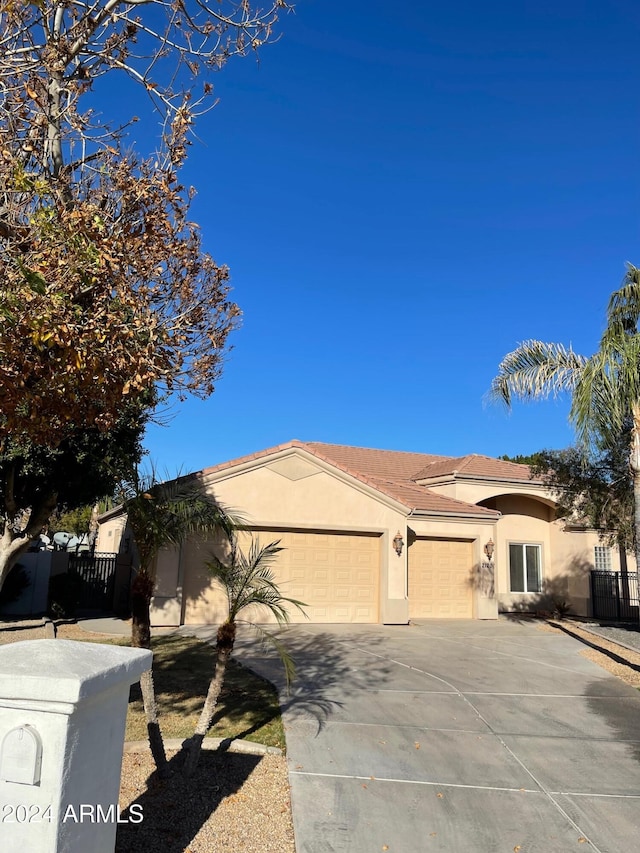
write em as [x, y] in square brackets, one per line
[489, 548]
[398, 543]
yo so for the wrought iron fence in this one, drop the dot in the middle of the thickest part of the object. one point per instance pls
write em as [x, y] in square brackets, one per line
[96, 575]
[614, 595]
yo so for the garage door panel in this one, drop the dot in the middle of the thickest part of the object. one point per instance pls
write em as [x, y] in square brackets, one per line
[440, 574]
[337, 575]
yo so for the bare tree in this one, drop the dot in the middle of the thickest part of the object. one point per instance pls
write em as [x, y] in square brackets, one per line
[106, 297]
[53, 51]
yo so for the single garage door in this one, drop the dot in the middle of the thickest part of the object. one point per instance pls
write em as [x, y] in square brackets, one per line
[440, 572]
[336, 574]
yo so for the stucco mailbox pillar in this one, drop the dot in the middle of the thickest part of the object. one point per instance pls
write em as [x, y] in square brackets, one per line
[63, 707]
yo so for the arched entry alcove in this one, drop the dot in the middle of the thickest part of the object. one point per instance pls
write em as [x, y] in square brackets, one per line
[537, 561]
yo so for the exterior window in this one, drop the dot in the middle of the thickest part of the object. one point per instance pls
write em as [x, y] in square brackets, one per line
[602, 558]
[525, 567]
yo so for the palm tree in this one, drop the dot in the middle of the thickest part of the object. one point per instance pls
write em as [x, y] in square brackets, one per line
[248, 581]
[162, 515]
[604, 388]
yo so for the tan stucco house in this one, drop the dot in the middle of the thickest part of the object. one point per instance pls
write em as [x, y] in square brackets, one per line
[378, 536]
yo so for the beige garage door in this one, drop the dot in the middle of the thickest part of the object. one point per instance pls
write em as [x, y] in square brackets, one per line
[440, 572]
[336, 574]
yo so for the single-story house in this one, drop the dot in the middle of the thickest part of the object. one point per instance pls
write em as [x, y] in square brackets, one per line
[381, 536]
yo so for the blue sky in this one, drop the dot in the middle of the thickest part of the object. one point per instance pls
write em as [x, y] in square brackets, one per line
[403, 194]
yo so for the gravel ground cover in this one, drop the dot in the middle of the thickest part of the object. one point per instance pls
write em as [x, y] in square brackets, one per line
[233, 802]
[600, 648]
[12, 631]
[625, 635]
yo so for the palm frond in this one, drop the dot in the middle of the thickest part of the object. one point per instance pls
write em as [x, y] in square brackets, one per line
[163, 514]
[606, 391]
[623, 311]
[248, 580]
[269, 639]
[536, 370]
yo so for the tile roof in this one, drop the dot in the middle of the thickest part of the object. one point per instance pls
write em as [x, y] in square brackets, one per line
[475, 465]
[391, 472]
[393, 464]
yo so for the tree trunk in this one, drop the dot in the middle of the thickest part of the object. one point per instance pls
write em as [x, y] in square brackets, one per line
[15, 542]
[634, 461]
[141, 593]
[156, 743]
[10, 550]
[224, 647]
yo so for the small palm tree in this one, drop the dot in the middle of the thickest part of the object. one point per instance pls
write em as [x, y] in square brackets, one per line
[162, 515]
[604, 388]
[248, 581]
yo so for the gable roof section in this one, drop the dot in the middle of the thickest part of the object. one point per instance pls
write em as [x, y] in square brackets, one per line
[390, 472]
[475, 465]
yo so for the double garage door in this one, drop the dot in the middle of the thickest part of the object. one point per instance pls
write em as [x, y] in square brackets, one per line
[336, 574]
[440, 579]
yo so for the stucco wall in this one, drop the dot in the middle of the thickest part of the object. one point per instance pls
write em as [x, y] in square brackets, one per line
[528, 516]
[265, 497]
[524, 520]
[476, 491]
[110, 533]
[203, 601]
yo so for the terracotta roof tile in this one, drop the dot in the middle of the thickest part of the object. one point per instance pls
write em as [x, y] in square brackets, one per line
[394, 464]
[391, 472]
[420, 499]
[475, 465]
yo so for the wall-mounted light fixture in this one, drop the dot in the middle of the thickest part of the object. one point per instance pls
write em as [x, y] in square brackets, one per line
[398, 543]
[489, 548]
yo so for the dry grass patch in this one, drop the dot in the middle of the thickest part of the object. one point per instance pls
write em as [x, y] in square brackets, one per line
[182, 666]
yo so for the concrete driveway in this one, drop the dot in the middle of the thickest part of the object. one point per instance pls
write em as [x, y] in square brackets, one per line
[457, 736]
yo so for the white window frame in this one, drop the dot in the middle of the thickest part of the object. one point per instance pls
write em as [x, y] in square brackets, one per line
[602, 558]
[523, 546]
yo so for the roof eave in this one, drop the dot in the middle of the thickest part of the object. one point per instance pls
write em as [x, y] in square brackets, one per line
[444, 479]
[114, 512]
[475, 516]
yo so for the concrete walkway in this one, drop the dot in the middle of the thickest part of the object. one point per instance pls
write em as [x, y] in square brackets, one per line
[114, 626]
[456, 736]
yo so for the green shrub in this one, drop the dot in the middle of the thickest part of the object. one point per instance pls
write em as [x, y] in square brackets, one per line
[560, 608]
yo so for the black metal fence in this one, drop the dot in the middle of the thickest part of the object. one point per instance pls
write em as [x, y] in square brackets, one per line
[95, 577]
[614, 595]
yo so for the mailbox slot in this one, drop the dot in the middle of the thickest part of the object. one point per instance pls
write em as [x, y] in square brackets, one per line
[21, 756]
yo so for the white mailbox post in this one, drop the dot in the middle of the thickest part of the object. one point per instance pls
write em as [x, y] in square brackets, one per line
[63, 707]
